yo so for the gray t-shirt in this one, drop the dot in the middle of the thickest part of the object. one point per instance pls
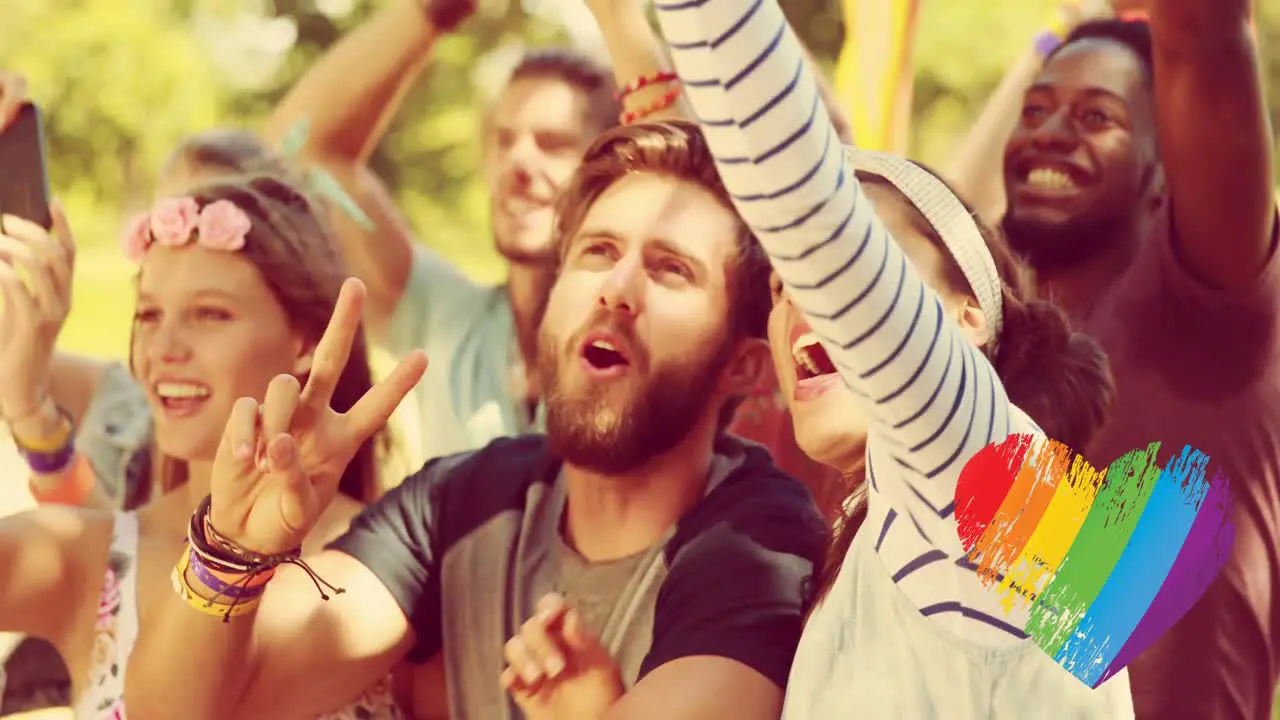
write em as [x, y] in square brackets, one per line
[469, 544]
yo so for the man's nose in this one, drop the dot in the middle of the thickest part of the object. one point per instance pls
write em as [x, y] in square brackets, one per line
[1056, 133]
[623, 288]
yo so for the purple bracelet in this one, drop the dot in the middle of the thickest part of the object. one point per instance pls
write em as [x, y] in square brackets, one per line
[217, 585]
[49, 463]
[1046, 42]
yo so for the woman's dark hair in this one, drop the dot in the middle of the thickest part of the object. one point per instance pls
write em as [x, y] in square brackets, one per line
[1057, 376]
[227, 151]
[293, 248]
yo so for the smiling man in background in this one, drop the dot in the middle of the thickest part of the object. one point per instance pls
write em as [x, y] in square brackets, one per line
[1139, 187]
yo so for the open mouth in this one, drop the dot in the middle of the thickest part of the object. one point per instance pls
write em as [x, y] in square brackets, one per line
[810, 358]
[182, 397]
[1052, 178]
[603, 356]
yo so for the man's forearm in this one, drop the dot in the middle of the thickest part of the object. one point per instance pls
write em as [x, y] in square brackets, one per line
[351, 94]
[976, 168]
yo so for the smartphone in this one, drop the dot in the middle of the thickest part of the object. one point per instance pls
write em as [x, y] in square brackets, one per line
[24, 177]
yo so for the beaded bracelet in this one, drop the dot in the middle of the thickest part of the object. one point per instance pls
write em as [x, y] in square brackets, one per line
[645, 81]
[667, 100]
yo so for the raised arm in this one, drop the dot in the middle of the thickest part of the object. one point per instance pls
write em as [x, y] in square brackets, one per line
[933, 395]
[1215, 137]
[976, 170]
[288, 653]
[347, 101]
[635, 52]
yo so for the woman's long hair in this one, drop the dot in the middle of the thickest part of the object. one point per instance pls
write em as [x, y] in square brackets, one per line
[292, 247]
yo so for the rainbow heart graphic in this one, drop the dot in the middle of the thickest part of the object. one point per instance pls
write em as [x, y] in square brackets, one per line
[1107, 560]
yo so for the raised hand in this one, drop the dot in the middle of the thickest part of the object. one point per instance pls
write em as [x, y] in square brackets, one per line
[279, 464]
[35, 296]
[13, 92]
[557, 669]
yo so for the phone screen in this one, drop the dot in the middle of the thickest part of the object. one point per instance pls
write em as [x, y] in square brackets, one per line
[24, 180]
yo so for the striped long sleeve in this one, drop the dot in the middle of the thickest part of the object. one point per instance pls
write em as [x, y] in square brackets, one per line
[934, 399]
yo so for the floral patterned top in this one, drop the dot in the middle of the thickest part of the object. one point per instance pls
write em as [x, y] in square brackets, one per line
[117, 629]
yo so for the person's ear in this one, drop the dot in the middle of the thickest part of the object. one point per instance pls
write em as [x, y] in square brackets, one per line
[973, 322]
[751, 360]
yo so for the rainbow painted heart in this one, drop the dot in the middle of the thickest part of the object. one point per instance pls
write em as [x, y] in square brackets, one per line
[1108, 560]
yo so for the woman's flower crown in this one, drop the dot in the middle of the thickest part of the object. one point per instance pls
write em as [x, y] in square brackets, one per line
[175, 222]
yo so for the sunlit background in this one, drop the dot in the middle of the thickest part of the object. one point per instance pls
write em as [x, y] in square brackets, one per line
[122, 81]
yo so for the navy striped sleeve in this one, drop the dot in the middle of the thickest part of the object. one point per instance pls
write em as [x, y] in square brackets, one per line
[935, 399]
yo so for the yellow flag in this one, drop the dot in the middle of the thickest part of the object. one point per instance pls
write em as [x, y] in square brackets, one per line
[871, 73]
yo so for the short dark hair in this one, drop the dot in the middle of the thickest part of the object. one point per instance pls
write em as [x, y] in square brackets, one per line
[583, 72]
[1132, 34]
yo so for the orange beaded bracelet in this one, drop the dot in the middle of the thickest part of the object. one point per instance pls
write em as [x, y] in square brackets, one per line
[667, 100]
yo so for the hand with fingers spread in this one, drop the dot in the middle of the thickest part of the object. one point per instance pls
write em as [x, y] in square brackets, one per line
[13, 92]
[35, 296]
[279, 463]
[557, 669]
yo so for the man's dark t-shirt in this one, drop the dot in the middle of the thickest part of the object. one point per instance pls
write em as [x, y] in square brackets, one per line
[1200, 366]
[469, 544]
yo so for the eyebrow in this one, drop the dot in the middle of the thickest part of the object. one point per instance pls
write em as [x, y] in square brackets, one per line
[205, 294]
[661, 244]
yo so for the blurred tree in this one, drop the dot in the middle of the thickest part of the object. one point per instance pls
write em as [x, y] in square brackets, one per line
[120, 88]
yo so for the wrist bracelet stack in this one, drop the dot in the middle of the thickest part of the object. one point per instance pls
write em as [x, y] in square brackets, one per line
[59, 475]
[215, 576]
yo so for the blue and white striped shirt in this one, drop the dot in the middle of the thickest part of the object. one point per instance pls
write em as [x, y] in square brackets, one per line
[934, 399]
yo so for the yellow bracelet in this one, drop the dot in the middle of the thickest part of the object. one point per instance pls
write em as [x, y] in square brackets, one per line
[50, 444]
[207, 607]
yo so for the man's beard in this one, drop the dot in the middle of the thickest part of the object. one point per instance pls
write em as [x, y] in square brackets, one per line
[600, 430]
[1056, 246]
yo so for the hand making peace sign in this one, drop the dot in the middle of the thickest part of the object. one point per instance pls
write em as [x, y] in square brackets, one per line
[279, 463]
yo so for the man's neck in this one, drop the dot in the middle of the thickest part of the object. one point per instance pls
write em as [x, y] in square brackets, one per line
[1077, 288]
[528, 287]
[614, 516]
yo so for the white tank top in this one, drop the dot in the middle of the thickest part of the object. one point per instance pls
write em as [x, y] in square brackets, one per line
[868, 652]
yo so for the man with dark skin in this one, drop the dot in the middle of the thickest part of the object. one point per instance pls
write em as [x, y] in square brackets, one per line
[1139, 186]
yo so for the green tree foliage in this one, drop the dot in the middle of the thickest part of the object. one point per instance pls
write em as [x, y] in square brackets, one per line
[122, 83]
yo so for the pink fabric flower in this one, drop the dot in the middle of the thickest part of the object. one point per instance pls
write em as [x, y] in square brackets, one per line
[173, 220]
[223, 226]
[137, 238]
